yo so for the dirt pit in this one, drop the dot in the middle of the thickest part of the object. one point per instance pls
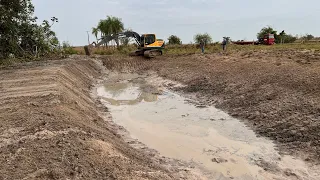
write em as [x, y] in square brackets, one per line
[275, 92]
[52, 128]
[180, 128]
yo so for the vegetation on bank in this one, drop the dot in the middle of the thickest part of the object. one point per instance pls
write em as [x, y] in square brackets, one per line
[21, 36]
[183, 49]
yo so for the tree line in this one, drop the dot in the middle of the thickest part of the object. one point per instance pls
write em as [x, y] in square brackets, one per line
[173, 39]
[113, 25]
[281, 37]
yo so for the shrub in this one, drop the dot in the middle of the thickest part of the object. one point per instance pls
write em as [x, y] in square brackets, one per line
[206, 37]
[67, 49]
[173, 39]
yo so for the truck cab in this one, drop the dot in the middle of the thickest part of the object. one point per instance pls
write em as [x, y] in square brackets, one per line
[267, 39]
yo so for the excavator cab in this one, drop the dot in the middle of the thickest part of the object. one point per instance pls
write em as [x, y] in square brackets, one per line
[147, 39]
[149, 46]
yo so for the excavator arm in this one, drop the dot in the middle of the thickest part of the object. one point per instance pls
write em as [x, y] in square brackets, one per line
[149, 46]
[116, 37]
[132, 34]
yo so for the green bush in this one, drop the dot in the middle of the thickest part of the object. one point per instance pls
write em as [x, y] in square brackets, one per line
[173, 39]
[67, 49]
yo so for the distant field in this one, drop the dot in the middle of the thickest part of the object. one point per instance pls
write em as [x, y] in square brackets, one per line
[194, 48]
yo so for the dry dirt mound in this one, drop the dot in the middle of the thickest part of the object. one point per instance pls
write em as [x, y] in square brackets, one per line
[50, 127]
[276, 92]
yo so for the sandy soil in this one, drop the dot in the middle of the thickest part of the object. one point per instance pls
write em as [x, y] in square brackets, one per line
[276, 93]
[52, 128]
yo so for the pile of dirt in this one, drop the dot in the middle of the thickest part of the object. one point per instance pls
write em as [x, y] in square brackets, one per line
[51, 129]
[277, 93]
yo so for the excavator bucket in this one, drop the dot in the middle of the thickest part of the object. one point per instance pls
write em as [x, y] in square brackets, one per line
[86, 49]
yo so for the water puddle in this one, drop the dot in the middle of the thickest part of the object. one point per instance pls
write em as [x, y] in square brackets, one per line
[216, 142]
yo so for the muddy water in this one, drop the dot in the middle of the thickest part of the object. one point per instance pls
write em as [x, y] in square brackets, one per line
[205, 136]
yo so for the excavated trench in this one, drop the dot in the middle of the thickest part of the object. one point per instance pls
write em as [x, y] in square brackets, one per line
[53, 127]
[178, 127]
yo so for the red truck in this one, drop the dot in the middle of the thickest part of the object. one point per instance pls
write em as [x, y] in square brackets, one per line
[268, 39]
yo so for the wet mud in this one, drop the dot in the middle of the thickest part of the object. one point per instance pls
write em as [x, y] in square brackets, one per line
[179, 128]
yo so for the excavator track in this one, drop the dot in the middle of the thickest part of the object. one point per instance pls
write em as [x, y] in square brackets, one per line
[152, 53]
[137, 53]
[147, 53]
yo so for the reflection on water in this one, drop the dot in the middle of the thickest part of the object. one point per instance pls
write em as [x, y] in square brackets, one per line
[116, 89]
[126, 94]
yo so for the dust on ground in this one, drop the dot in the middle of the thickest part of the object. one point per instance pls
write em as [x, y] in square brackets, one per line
[52, 128]
[276, 93]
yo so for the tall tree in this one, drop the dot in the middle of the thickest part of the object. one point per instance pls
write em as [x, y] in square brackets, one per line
[115, 26]
[110, 26]
[20, 35]
[14, 15]
[95, 32]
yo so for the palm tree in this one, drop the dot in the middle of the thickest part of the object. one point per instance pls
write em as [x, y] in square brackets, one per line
[95, 32]
[110, 26]
[103, 28]
[115, 24]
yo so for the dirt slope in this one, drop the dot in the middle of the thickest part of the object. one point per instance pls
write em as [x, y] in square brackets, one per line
[50, 127]
[277, 93]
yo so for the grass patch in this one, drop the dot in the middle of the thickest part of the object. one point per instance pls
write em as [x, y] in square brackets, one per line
[194, 48]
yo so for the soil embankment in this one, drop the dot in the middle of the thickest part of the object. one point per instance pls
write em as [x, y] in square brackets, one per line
[277, 93]
[51, 127]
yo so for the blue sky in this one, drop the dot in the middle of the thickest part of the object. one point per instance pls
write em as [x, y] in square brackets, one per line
[239, 19]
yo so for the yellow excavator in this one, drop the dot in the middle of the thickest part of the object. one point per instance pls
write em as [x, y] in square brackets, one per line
[148, 45]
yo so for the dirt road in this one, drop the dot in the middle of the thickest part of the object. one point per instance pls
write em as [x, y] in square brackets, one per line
[276, 93]
[51, 128]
